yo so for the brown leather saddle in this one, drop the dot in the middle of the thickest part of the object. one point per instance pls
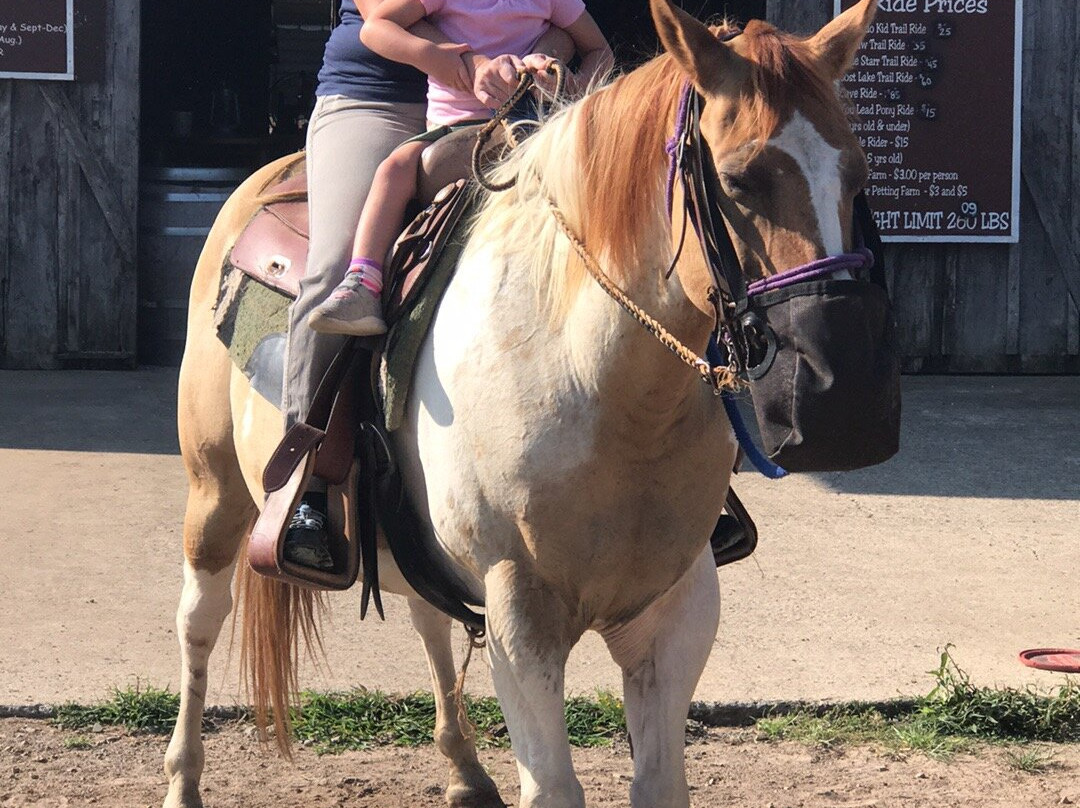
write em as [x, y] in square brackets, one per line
[340, 430]
[272, 248]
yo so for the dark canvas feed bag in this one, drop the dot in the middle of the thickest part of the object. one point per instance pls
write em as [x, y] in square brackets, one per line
[828, 397]
[820, 359]
[817, 351]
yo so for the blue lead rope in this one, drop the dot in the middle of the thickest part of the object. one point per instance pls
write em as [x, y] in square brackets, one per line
[756, 457]
[752, 452]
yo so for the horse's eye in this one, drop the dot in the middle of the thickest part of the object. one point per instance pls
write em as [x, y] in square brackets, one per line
[736, 184]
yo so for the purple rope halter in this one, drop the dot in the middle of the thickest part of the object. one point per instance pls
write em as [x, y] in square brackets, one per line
[673, 144]
[852, 262]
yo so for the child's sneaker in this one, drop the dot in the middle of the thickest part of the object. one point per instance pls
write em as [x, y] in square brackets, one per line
[352, 308]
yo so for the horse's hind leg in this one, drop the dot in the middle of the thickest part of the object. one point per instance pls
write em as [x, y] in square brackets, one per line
[219, 511]
[469, 786]
[662, 653]
[530, 632]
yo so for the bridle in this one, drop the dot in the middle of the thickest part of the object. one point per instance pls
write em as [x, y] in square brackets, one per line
[748, 341]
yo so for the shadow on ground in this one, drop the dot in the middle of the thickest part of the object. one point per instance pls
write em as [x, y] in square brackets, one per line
[89, 411]
[975, 436]
[990, 437]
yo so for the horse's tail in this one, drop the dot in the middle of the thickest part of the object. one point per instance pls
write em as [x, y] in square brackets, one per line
[276, 617]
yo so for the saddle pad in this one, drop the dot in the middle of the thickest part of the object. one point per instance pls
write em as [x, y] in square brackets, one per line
[251, 322]
[407, 333]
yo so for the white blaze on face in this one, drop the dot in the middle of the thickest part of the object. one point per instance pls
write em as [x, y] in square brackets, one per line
[820, 165]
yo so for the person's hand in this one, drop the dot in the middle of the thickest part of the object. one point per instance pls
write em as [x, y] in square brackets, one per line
[542, 67]
[496, 80]
[448, 68]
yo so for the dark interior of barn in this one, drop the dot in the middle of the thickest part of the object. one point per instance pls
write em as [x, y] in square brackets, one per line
[232, 83]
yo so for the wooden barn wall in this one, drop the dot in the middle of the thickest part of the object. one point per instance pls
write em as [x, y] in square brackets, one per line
[1001, 307]
[68, 191]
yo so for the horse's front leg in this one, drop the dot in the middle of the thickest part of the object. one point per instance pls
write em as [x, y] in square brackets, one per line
[469, 786]
[662, 653]
[530, 633]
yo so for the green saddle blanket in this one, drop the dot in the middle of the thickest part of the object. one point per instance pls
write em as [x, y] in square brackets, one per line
[407, 333]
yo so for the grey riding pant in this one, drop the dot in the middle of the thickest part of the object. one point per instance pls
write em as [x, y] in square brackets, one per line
[346, 142]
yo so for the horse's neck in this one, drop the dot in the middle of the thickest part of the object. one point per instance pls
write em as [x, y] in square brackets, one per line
[599, 352]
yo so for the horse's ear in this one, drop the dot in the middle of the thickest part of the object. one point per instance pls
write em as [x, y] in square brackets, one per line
[836, 44]
[691, 43]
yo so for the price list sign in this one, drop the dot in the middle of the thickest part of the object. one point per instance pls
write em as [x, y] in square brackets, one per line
[37, 39]
[936, 94]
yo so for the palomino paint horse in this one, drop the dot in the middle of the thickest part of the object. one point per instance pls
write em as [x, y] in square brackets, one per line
[569, 467]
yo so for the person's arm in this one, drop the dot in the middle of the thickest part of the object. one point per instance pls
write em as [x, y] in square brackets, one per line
[390, 29]
[556, 43]
[591, 44]
[422, 28]
[497, 79]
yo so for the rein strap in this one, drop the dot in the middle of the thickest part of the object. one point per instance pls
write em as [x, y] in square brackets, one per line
[719, 377]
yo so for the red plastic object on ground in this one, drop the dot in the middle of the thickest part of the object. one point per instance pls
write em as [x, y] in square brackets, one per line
[1062, 660]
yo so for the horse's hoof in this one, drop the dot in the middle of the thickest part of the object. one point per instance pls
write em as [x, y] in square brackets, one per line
[480, 794]
[183, 798]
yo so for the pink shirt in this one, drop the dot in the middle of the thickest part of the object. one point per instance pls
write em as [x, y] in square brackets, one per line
[491, 28]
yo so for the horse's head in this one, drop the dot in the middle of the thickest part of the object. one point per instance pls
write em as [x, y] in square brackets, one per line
[787, 161]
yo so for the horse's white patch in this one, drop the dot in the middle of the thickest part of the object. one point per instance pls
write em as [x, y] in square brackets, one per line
[820, 165]
[204, 604]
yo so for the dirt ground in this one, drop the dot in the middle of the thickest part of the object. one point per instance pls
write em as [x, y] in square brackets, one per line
[967, 537]
[729, 768]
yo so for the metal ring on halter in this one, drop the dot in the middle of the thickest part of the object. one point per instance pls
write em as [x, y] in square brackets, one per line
[759, 340]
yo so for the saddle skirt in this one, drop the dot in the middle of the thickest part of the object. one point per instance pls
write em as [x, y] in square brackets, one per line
[272, 249]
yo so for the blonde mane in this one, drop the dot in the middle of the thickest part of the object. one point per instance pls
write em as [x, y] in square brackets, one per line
[602, 161]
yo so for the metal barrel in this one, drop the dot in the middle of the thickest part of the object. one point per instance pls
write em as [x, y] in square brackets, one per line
[177, 207]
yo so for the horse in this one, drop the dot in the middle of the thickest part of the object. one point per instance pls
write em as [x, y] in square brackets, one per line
[568, 469]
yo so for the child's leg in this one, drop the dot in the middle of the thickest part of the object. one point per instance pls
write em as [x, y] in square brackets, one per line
[393, 187]
[354, 306]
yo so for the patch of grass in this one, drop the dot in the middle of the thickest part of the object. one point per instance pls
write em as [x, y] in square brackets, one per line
[1031, 761]
[836, 727]
[78, 742]
[595, 721]
[957, 707]
[842, 726]
[949, 719]
[913, 734]
[360, 719]
[139, 708]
